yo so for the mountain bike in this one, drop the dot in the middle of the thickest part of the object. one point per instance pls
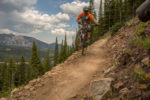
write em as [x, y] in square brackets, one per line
[84, 28]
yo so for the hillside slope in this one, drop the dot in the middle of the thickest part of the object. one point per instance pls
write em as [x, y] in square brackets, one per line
[114, 68]
[67, 79]
[130, 48]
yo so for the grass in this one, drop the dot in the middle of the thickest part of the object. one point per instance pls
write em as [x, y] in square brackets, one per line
[140, 28]
[133, 21]
[145, 43]
[93, 98]
[139, 40]
[141, 75]
[114, 63]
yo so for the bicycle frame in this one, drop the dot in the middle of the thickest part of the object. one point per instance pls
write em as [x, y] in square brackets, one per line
[84, 29]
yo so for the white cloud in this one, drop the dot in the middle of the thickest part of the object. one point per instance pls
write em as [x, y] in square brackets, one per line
[30, 21]
[62, 31]
[96, 5]
[43, 21]
[19, 5]
[19, 16]
[6, 31]
[69, 41]
[19, 2]
[62, 25]
[61, 16]
[74, 8]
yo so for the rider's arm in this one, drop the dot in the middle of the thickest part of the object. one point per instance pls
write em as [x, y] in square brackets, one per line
[79, 17]
[95, 21]
[93, 18]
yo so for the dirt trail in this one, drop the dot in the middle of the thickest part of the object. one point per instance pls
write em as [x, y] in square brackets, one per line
[74, 74]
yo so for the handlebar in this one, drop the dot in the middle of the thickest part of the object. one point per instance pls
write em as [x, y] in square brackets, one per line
[88, 24]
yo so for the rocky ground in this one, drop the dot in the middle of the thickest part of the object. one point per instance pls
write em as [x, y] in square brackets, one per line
[67, 80]
[131, 71]
[114, 68]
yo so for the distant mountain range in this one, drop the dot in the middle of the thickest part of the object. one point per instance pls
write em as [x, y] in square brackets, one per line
[15, 46]
[22, 41]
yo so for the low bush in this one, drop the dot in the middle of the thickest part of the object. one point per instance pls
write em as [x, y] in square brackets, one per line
[115, 28]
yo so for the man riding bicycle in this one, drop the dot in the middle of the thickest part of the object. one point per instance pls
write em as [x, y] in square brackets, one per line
[85, 18]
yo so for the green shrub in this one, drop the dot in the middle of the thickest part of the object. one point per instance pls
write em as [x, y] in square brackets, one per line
[139, 75]
[115, 28]
[145, 43]
[132, 22]
[5, 93]
[139, 40]
[140, 28]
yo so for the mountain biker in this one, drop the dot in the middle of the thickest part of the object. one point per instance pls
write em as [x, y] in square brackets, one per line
[86, 17]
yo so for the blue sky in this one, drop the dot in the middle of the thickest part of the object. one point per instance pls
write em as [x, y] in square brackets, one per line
[42, 19]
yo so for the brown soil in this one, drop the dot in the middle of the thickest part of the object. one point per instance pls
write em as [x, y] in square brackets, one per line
[67, 80]
[128, 58]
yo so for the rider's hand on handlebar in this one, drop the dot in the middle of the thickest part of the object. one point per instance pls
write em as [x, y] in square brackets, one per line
[96, 24]
[79, 22]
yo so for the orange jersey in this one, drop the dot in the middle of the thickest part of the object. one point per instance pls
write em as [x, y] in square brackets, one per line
[82, 16]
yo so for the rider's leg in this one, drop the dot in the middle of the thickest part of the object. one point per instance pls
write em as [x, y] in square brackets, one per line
[88, 38]
[88, 35]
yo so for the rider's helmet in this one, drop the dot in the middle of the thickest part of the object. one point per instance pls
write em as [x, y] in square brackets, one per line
[86, 9]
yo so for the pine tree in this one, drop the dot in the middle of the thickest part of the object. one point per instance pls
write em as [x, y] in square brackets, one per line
[61, 57]
[73, 46]
[68, 51]
[100, 21]
[12, 71]
[29, 73]
[47, 62]
[56, 53]
[106, 15]
[94, 31]
[35, 62]
[22, 71]
[115, 11]
[1, 70]
[5, 76]
[91, 7]
[65, 48]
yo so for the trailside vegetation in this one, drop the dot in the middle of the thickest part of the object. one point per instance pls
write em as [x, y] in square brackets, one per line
[15, 74]
[111, 16]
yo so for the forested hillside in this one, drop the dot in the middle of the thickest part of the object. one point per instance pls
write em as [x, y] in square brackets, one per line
[113, 15]
[16, 52]
[17, 71]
